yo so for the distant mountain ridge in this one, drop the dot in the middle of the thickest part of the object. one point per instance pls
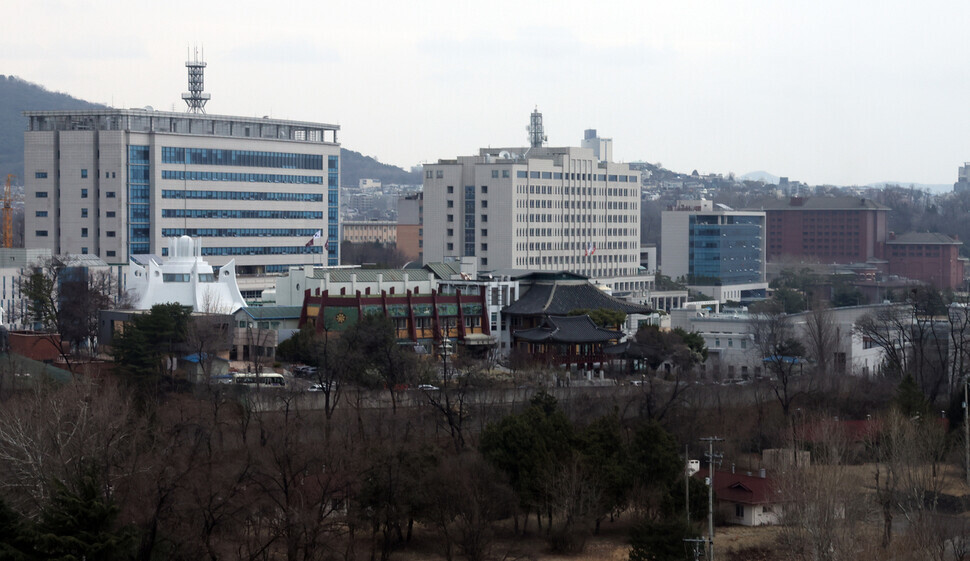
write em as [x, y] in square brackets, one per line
[18, 95]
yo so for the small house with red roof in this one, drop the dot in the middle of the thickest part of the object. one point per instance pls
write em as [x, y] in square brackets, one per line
[745, 498]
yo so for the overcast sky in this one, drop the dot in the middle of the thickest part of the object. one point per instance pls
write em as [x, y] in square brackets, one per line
[823, 92]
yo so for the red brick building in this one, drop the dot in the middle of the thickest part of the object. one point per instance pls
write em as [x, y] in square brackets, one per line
[928, 257]
[826, 229]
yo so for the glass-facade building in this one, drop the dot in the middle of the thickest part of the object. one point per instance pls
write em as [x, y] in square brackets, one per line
[116, 183]
[714, 249]
[725, 249]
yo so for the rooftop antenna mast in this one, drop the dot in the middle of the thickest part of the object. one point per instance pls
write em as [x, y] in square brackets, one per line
[195, 98]
[537, 134]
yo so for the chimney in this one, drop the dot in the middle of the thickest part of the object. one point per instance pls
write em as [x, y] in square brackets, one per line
[761, 473]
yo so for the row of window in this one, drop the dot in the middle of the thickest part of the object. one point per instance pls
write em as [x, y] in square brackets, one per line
[220, 213]
[248, 158]
[237, 232]
[242, 196]
[187, 277]
[241, 177]
[274, 250]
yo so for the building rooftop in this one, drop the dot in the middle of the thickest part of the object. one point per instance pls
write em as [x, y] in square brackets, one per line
[272, 312]
[924, 238]
[568, 329]
[820, 203]
[560, 298]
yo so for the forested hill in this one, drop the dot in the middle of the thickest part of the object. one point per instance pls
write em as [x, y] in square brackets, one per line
[17, 95]
[357, 166]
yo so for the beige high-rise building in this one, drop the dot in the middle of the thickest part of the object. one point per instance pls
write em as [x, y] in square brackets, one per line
[537, 208]
[120, 182]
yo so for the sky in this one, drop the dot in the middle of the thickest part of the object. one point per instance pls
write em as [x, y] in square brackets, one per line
[824, 92]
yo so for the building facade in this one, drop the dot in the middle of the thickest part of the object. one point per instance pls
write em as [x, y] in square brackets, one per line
[539, 208]
[119, 182]
[369, 231]
[826, 229]
[410, 232]
[715, 249]
[928, 257]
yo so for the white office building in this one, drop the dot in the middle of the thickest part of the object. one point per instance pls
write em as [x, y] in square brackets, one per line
[120, 182]
[537, 208]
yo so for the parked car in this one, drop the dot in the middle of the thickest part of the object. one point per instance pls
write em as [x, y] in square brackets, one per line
[428, 387]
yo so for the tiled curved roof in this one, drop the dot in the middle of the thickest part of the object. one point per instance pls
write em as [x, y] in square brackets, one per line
[560, 298]
[568, 329]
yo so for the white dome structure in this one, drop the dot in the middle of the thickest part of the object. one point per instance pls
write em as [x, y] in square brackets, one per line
[184, 278]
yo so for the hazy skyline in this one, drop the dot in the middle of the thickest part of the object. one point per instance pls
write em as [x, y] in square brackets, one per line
[824, 92]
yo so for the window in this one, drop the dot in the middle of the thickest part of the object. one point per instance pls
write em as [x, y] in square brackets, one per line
[111, 233]
[484, 247]
[484, 204]
[451, 218]
[451, 189]
[484, 232]
[451, 204]
[41, 233]
[484, 262]
[109, 214]
[451, 231]
[109, 194]
[84, 251]
[505, 174]
[485, 189]
[439, 174]
[112, 175]
[484, 218]
[739, 511]
[84, 193]
[111, 254]
[84, 174]
[84, 232]
[106, 175]
[451, 246]
[41, 194]
[84, 213]
[40, 175]
[494, 176]
[41, 214]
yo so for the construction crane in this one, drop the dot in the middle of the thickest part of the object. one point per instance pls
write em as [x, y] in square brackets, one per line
[8, 213]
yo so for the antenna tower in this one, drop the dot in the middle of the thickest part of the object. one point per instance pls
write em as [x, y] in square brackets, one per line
[537, 134]
[195, 98]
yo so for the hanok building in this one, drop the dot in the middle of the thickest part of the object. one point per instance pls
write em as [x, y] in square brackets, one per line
[541, 324]
[424, 320]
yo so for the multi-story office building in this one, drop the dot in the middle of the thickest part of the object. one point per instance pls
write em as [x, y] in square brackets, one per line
[410, 233]
[119, 182]
[537, 208]
[827, 229]
[715, 249]
[369, 231]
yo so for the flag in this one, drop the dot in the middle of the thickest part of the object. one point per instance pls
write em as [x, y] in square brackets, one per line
[593, 249]
[316, 236]
[588, 250]
[326, 245]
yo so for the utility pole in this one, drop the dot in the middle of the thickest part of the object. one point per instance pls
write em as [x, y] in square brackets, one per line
[966, 431]
[711, 456]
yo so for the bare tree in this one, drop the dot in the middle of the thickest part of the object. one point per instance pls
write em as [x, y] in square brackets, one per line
[821, 337]
[823, 504]
[774, 337]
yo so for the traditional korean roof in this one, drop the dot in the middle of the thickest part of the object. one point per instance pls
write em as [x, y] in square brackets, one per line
[560, 298]
[567, 329]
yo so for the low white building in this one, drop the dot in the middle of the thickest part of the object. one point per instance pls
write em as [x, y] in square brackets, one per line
[184, 278]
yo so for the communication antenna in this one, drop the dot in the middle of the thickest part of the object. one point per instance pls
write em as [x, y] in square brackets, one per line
[195, 98]
[537, 134]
